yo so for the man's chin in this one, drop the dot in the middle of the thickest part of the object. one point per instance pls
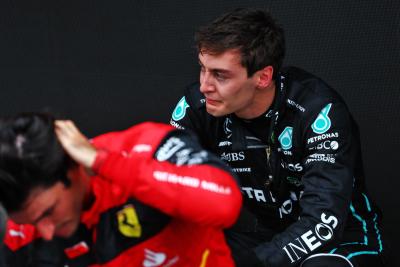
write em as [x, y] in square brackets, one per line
[215, 112]
[67, 230]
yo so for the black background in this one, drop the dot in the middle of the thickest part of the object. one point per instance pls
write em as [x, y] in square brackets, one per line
[110, 64]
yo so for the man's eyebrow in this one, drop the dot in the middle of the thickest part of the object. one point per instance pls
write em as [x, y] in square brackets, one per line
[221, 71]
[216, 70]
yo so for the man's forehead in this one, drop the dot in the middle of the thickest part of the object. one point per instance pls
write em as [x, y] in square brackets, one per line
[225, 60]
[22, 216]
[38, 201]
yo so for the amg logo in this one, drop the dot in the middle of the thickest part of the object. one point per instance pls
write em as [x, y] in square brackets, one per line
[311, 240]
[233, 156]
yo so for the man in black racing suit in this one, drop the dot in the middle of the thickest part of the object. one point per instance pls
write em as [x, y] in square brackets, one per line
[293, 143]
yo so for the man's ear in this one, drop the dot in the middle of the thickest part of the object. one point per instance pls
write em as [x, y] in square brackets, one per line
[265, 77]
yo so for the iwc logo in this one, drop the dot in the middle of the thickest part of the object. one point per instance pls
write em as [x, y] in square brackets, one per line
[128, 222]
[322, 123]
[285, 138]
[180, 110]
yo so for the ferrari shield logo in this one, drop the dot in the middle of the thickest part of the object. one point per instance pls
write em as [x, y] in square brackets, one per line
[128, 222]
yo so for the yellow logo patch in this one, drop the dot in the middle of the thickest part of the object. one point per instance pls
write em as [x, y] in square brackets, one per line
[128, 222]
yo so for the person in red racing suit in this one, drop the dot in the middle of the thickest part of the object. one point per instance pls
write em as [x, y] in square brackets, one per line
[156, 198]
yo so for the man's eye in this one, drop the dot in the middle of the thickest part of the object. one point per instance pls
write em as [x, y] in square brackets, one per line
[220, 77]
[48, 212]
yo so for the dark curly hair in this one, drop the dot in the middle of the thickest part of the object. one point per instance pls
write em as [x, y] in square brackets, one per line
[30, 157]
[253, 32]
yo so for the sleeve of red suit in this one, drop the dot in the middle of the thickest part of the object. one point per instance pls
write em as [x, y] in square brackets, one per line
[167, 169]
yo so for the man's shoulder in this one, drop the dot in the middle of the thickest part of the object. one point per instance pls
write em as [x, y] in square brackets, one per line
[145, 132]
[306, 92]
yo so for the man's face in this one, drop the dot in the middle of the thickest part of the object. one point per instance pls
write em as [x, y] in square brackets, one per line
[225, 84]
[54, 211]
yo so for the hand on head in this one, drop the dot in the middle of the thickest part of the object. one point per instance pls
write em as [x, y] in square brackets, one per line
[75, 143]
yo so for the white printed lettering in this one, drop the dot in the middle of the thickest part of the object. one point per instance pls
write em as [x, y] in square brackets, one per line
[308, 238]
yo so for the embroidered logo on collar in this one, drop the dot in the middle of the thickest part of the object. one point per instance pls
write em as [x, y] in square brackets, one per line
[227, 127]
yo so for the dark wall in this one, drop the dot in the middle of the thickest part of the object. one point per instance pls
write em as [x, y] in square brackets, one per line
[109, 64]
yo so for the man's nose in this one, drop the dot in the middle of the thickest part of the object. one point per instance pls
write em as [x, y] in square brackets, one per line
[206, 83]
[46, 228]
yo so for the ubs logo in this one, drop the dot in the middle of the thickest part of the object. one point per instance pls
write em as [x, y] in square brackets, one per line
[233, 156]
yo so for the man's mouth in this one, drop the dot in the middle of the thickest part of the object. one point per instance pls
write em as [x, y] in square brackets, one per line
[212, 101]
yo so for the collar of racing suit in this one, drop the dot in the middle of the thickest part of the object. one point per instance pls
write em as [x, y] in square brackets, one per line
[239, 142]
